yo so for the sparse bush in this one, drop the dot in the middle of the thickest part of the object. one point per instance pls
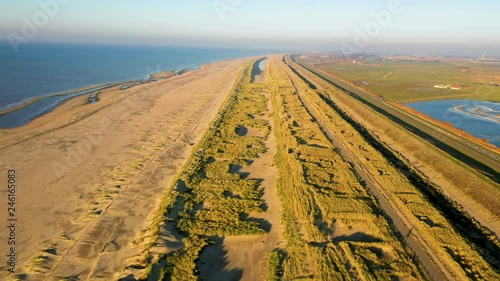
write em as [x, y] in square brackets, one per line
[275, 265]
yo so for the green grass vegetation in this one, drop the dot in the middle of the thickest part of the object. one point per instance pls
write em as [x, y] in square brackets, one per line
[181, 265]
[274, 265]
[215, 199]
[413, 81]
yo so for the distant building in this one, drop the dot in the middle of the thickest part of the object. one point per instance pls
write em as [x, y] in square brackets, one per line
[453, 86]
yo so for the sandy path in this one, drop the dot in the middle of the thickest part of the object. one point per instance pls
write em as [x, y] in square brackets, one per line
[242, 257]
[89, 176]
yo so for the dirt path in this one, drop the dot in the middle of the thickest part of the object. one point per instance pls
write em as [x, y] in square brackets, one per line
[243, 256]
[389, 74]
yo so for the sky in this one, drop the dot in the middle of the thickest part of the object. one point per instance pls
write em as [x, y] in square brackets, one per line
[445, 27]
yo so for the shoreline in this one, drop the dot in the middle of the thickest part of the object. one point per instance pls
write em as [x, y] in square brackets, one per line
[82, 91]
[22, 104]
[95, 88]
[459, 109]
[450, 127]
[484, 141]
[78, 108]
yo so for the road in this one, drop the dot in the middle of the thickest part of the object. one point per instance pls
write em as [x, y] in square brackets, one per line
[429, 261]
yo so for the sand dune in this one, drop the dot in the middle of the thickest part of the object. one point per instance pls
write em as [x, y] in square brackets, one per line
[89, 175]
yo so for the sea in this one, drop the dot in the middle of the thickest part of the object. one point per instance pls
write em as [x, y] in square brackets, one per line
[478, 118]
[43, 69]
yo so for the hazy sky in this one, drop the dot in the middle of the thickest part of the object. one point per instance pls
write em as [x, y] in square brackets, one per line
[416, 26]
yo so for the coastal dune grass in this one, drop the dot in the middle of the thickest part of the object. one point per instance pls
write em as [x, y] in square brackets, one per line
[274, 265]
[144, 263]
[215, 199]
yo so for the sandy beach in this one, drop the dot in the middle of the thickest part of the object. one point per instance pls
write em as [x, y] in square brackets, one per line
[89, 175]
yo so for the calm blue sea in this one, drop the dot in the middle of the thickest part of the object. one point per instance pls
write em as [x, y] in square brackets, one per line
[42, 69]
[444, 110]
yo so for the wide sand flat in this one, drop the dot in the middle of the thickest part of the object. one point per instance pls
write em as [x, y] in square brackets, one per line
[89, 175]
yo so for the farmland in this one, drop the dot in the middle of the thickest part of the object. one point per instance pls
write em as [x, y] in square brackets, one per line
[414, 81]
[290, 182]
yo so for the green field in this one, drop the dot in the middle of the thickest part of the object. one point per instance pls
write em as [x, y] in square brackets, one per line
[413, 81]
